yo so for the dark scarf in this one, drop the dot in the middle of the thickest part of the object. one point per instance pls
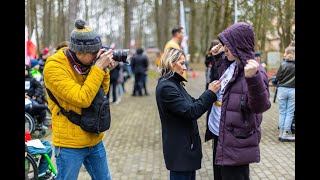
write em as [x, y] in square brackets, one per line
[76, 64]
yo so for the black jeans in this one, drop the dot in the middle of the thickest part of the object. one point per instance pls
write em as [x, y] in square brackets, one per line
[182, 175]
[138, 84]
[113, 84]
[228, 172]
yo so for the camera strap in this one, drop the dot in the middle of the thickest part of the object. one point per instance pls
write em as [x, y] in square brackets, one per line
[71, 115]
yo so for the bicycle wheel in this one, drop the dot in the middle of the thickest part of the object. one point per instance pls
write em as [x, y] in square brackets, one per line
[31, 168]
[29, 122]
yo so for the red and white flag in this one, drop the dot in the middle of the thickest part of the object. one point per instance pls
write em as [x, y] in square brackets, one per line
[26, 58]
[32, 46]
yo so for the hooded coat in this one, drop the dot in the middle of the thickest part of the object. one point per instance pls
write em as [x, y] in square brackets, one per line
[243, 102]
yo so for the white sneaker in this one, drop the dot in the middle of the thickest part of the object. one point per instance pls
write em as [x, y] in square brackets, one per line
[287, 136]
[117, 101]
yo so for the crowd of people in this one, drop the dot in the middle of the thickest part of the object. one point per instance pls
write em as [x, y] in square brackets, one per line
[235, 97]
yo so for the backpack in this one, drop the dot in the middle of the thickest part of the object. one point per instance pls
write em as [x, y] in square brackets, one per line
[95, 119]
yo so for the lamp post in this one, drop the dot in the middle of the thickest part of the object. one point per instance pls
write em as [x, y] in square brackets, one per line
[187, 11]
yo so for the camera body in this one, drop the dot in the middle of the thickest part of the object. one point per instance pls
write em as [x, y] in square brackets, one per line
[118, 55]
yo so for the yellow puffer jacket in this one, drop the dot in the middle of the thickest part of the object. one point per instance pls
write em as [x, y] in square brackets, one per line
[73, 91]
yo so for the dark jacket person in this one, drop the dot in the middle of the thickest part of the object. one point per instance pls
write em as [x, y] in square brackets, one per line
[179, 113]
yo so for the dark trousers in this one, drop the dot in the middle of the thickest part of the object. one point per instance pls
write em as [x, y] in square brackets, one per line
[228, 172]
[113, 84]
[138, 84]
[182, 175]
[145, 77]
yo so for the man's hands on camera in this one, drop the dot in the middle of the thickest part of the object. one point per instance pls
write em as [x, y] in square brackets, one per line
[105, 59]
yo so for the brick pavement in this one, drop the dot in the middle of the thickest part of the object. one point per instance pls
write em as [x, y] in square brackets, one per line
[134, 147]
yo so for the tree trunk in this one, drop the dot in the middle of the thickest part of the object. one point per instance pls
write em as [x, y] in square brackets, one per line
[219, 18]
[206, 29]
[30, 17]
[86, 11]
[164, 25]
[73, 9]
[228, 20]
[35, 24]
[192, 25]
[45, 24]
[157, 21]
[50, 15]
[60, 23]
[127, 29]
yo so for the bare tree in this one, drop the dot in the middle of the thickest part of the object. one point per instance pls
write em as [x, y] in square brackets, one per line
[153, 19]
[35, 23]
[86, 10]
[164, 22]
[127, 27]
[157, 22]
[60, 28]
[46, 22]
[73, 9]
[192, 25]
[285, 22]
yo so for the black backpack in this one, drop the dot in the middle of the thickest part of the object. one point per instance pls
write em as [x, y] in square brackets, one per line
[95, 119]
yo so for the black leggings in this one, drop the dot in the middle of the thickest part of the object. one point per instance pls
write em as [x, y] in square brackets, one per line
[228, 172]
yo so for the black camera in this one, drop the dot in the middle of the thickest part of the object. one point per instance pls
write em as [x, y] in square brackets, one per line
[118, 55]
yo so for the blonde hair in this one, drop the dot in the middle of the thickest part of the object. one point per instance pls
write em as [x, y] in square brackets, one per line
[289, 53]
[170, 56]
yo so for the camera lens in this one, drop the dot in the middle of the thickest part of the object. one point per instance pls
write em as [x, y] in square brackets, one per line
[120, 55]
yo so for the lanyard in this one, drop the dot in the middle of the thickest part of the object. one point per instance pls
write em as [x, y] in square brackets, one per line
[227, 75]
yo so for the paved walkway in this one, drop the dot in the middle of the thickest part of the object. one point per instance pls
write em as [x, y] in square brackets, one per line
[134, 147]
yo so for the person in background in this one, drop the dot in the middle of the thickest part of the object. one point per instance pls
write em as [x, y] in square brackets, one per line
[34, 92]
[42, 59]
[179, 113]
[211, 75]
[139, 64]
[211, 70]
[61, 45]
[257, 56]
[35, 72]
[177, 33]
[114, 76]
[286, 94]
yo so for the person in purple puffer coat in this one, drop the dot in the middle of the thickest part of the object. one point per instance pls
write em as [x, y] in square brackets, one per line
[235, 118]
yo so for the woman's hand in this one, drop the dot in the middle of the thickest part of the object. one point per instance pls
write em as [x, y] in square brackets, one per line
[214, 86]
